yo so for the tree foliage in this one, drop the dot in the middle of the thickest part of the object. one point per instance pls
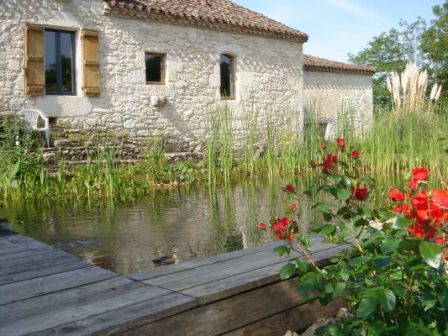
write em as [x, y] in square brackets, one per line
[435, 44]
[391, 51]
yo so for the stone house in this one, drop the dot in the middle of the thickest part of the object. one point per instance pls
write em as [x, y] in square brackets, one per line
[145, 68]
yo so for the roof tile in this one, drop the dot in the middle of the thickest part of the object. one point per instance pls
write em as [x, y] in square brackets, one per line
[222, 15]
[312, 63]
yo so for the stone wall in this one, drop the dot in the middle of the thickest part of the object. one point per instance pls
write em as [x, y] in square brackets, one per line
[269, 76]
[343, 97]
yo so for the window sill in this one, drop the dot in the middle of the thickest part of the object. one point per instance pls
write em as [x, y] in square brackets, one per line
[60, 95]
[155, 83]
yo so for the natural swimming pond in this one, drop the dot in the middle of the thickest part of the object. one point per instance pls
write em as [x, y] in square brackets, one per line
[169, 226]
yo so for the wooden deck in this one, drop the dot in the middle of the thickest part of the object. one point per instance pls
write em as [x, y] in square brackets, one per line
[45, 291]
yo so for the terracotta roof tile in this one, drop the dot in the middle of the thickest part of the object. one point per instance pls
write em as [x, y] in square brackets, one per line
[222, 15]
[312, 63]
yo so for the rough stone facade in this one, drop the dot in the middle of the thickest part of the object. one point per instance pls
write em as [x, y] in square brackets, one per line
[269, 75]
[338, 97]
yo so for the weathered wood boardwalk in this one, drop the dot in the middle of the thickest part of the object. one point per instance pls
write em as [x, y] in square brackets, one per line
[45, 291]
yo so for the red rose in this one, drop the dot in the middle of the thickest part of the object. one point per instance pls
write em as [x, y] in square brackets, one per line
[402, 209]
[262, 226]
[356, 154]
[290, 188]
[329, 161]
[283, 222]
[419, 174]
[441, 240]
[412, 184]
[417, 230]
[293, 207]
[360, 193]
[341, 143]
[396, 195]
[440, 197]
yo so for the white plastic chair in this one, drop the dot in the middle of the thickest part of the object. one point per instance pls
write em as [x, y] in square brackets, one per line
[31, 117]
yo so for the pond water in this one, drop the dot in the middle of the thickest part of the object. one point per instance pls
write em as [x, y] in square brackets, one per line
[169, 226]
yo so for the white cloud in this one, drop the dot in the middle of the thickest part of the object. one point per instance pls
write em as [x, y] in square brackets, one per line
[352, 8]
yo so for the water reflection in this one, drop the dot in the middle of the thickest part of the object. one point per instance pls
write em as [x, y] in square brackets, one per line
[170, 226]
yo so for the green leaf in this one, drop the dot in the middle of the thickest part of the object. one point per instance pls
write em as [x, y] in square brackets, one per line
[328, 216]
[389, 245]
[307, 283]
[399, 289]
[409, 244]
[302, 265]
[383, 261]
[402, 222]
[336, 178]
[339, 288]
[366, 306]
[344, 275]
[14, 170]
[322, 206]
[282, 250]
[328, 229]
[287, 271]
[343, 194]
[359, 261]
[387, 299]
[367, 212]
[346, 181]
[429, 299]
[431, 253]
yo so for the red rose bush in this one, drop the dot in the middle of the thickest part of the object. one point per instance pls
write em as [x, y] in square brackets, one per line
[393, 278]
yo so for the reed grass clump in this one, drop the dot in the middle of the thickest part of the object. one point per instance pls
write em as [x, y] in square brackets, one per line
[409, 89]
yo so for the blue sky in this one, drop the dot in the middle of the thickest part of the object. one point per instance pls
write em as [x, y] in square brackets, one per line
[339, 27]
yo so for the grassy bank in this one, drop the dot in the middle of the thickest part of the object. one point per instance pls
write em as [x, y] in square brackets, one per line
[392, 144]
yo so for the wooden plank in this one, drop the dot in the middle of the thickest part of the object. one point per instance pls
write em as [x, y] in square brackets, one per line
[207, 274]
[9, 252]
[226, 315]
[52, 283]
[35, 258]
[218, 271]
[160, 271]
[24, 255]
[51, 269]
[33, 265]
[239, 283]
[296, 318]
[122, 319]
[38, 314]
[18, 239]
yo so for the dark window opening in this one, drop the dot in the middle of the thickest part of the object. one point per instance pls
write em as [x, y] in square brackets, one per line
[59, 62]
[315, 130]
[227, 76]
[155, 68]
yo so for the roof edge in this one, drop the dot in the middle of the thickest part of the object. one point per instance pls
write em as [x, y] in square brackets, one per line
[317, 64]
[119, 9]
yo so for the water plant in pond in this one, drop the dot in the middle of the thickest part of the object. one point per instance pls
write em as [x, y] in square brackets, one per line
[393, 275]
[394, 144]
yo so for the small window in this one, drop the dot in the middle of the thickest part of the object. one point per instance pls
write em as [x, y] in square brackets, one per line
[315, 130]
[59, 62]
[155, 68]
[227, 64]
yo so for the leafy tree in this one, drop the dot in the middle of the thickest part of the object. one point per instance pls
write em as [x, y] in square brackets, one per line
[435, 44]
[390, 51]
